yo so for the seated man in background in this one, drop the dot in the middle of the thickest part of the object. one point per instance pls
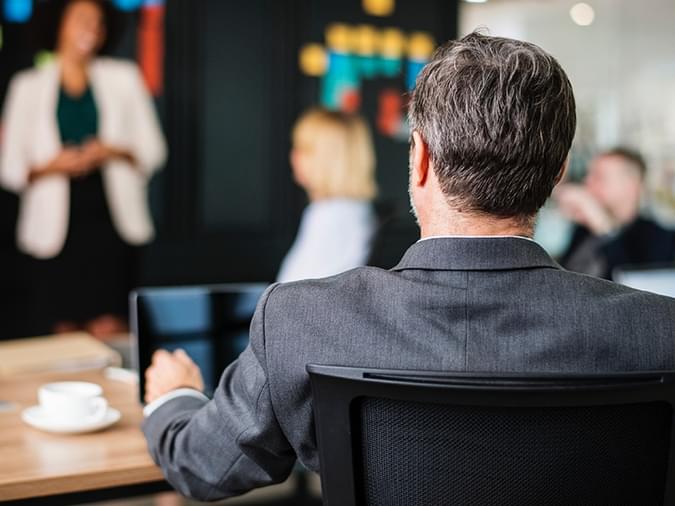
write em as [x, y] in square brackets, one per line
[610, 231]
[492, 122]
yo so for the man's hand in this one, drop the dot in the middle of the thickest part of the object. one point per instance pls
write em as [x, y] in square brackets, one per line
[578, 205]
[170, 371]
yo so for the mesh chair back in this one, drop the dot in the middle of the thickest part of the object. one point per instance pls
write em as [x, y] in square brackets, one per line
[407, 438]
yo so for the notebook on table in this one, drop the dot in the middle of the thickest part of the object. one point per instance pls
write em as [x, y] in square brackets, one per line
[64, 352]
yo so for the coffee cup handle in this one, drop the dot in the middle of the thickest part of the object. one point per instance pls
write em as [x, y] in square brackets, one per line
[100, 408]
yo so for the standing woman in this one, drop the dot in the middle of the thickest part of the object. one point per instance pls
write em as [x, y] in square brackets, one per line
[80, 141]
[333, 160]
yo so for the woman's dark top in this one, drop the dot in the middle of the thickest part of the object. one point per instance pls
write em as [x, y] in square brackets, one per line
[94, 272]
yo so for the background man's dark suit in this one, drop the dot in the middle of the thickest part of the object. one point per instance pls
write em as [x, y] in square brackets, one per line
[642, 242]
[452, 304]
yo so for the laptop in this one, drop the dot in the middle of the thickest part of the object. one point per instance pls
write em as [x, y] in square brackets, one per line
[659, 280]
[211, 323]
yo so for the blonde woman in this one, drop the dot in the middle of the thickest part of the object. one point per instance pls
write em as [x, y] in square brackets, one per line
[333, 160]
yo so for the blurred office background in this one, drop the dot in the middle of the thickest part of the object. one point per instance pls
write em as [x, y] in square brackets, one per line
[230, 88]
[229, 79]
[618, 55]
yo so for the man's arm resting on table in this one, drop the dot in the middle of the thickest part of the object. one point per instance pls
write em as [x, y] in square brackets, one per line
[226, 446]
[174, 394]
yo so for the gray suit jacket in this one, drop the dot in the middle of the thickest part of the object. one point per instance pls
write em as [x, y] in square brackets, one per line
[452, 304]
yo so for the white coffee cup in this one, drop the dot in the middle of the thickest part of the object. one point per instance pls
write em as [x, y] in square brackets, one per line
[72, 402]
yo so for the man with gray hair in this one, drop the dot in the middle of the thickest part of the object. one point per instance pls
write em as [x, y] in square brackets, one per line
[492, 123]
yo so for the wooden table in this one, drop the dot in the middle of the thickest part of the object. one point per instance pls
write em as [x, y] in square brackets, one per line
[36, 465]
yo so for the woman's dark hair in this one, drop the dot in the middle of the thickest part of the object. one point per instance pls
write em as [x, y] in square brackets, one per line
[49, 16]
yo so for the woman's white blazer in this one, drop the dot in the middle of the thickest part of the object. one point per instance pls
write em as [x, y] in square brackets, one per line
[31, 138]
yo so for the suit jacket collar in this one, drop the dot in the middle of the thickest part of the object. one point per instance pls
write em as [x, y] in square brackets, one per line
[476, 254]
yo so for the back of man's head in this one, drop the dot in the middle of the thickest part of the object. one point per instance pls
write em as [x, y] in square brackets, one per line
[498, 117]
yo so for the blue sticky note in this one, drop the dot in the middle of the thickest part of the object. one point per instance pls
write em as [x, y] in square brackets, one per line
[414, 67]
[127, 5]
[18, 11]
[342, 77]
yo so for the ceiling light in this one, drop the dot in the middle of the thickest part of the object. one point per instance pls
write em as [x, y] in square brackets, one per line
[582, 14]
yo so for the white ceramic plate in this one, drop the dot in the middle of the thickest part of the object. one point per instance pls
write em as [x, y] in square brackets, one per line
[35, 417]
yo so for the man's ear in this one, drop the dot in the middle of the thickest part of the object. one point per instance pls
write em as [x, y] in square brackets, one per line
[563, 171]
[419, 160]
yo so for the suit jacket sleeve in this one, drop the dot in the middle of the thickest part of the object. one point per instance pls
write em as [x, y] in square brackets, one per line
[209, 450]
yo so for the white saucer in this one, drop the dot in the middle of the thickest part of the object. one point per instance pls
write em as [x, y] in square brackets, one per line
[35, 417]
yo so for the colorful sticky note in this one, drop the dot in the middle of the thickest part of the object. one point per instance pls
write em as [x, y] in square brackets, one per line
[127, 5]
[379, 7]
[420, 46]
[313, 60]
[389, 111]
[341, 80]
[18, 11]
[365, 44]
[413, 68]
[151, 46]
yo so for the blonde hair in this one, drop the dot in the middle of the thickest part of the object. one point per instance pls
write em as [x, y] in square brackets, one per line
[338, 152]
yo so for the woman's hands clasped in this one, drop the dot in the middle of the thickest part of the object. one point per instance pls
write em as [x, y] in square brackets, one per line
[78, 161]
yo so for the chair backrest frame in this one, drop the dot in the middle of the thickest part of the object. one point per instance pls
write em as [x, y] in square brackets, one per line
[335, 388]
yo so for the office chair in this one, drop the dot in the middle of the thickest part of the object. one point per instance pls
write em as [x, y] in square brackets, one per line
[389, 438]
[392, 237]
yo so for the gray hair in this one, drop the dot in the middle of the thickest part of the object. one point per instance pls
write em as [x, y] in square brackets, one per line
[498, 117]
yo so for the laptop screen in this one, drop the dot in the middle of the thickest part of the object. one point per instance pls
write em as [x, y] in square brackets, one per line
[211, 323]
[657, 280]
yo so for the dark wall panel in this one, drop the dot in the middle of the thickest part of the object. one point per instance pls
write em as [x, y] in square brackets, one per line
[233, 191]
[233, 92]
